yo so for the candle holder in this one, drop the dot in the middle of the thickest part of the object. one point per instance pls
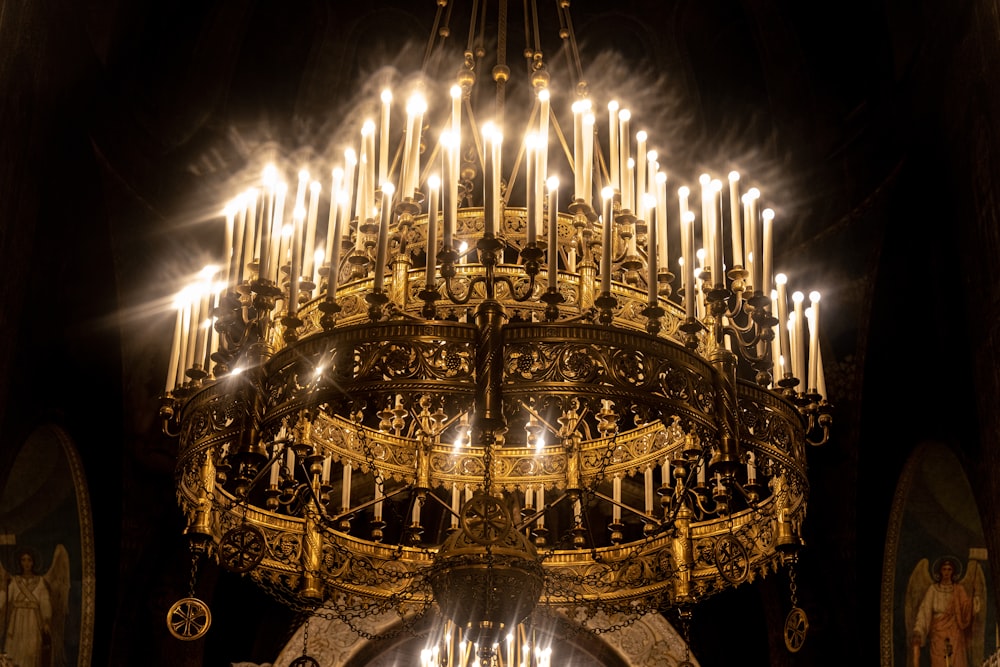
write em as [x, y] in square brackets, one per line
[531, 254]
[376, 304]
[654, 314]
[329, 308]
[291, 325]
[617, 532]
[606, 303]
[552, 298]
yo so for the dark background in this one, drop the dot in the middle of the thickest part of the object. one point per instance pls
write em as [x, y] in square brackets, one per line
[873, 123]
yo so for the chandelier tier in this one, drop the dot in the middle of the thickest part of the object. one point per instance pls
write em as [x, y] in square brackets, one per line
[406, 392]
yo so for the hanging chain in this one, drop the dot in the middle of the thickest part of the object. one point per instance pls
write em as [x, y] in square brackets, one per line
[194, 574]
[792, 586]
[305, 637]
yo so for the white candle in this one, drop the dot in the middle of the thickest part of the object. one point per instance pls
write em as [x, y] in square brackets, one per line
[798, 342]
[417, 106]
[813, 385]
[228, 246]
[186, 354]
[334, 244]
[175, 349]
[277, 232]
[661, 219]
[251, 233]
[752, 236]
[290, 460]
[309, 248]
[450, 190]
[734, 218]
[588, 157]
[606, 254]
[616, 494]
[325, 477]
[624, 147]
[350, 164]
[433, 186]
[640, 166]
[275, 470]
[751, 469]
[579, 108]
[416, 512]
[379, 495]
[701, 472]
[577, 511]
[531, 193]
[785, 345]
[718, 264]
[540, 503]
[706, 217]
[345, 491]
[613, 150]
[553, 241]
[529, 496]
[542, 157]
[382, 249]
[776, 362]
[651, 250]
[298, 220]
[648, 488]
[454, 505]
[766, 261]
[687, 234]
[383, 138]
[267, 220]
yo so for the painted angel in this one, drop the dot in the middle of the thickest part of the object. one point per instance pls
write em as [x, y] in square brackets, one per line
[33, 610]
[945, 613]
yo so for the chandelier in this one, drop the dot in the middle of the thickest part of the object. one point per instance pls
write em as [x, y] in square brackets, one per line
[461, 369]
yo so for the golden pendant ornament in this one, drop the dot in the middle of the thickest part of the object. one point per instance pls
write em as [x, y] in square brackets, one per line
[796, 626]
[304, 661]
[189, 619]
[241, 549]
[731, 559]
[485, 519]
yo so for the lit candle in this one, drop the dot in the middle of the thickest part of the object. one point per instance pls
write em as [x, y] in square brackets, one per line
[382, 249]
[530, 192]
[640, 166]
[734, 217]
[175, 349]
[228, 246]
[588, 157]
[661, 219]
[613, 151]
[298, 222]
[624, 147]
[185, 354]
[767, 216]
[542, 156]
[553, 246]
[718, 264]
[813, 385]
[450, 190]
[345, 491]
[417, 106]
[383, 139]
[798, 344]
[250, 234]
[616, 494]
[309, 249]
[783, 335]
[752, 236]
[350, 164]
[579, 108]
[652, 225]
[267, 215]
[687, 233]
[608, 194]
[334, 243]
[433, 186]
[491, 179]
[706, 216]
[277, 232]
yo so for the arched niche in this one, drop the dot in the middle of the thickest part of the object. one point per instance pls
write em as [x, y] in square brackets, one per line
[45, 513]
[934, 516]
[650, 641]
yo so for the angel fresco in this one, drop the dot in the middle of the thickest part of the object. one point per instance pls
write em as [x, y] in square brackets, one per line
[945, 613]
[33, 610]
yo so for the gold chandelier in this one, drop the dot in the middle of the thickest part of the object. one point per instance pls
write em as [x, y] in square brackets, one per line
[408, 392]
